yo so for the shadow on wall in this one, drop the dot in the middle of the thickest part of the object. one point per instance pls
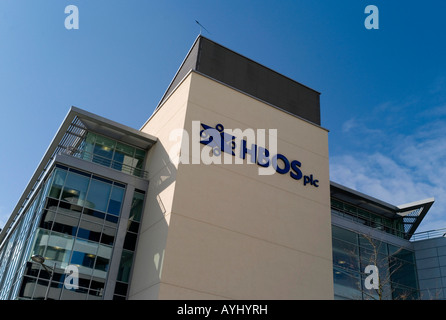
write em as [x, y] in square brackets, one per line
[153, 234]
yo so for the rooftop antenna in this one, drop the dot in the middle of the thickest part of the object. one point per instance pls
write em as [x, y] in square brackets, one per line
[201, 26]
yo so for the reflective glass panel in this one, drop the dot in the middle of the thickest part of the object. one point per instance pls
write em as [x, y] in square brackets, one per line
[347, 284]
[75, 189]
[69, 209]
[84, 254]
[47, 219]
[89, 231]
[139, 156]
[130, 241]
[57, 183]
[98, 195]
[345, 255]
[121, 288]
[27, 287]
[114, 207]
[345, 235]
[65, 224]
[137, 206]
[125, 266]
[108, 235]
[59, 249]
[88, 144]
[103, 150]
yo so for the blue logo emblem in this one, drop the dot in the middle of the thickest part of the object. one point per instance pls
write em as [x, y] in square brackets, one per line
[221, 141]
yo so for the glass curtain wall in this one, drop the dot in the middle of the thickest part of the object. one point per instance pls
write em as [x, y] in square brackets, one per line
[392, 226]
[111, 153]
[353, 252]
[77, 228]
[72, 222]
[15, 252]
[125, 267]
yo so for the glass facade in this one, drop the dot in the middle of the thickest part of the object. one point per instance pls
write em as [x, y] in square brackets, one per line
[16, 251]
[353, 252]
[111, 153]
[72, 223]
[370, 219]
[125, 266]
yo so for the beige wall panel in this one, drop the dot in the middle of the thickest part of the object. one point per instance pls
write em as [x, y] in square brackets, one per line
[231, 265]
[168, 291]
[162, 175]
[159, 202]
[221, 197]
[151, 293]
[250, 233]
[252, 113]
[312, 162]
[149, 260]
[225, 231]
[158, 157]
[168, 111]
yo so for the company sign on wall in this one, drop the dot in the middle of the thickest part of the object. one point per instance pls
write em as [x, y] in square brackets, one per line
[234, 146]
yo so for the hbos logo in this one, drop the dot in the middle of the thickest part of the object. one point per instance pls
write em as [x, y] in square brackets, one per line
[221, 141]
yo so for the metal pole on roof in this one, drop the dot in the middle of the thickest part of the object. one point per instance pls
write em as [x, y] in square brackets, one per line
[201, 26]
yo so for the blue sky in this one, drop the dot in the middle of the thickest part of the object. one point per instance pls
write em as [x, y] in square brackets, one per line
[383, 91]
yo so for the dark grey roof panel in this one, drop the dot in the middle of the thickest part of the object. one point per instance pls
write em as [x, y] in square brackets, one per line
[246, 75]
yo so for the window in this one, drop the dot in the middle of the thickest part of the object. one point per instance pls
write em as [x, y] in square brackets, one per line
[117, 195]
[393, 226]
[58, 182]
[111, 153]
[78, 226]
[130, 240]
[75, 188]
[98, 195]
[137, 206]
[352, 252]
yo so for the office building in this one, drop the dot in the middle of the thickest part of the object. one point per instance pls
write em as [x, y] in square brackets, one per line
[223, 193]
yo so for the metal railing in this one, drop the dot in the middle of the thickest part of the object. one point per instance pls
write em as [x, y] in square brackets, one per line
[367, 222]
[95, 158]
[431, 234]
